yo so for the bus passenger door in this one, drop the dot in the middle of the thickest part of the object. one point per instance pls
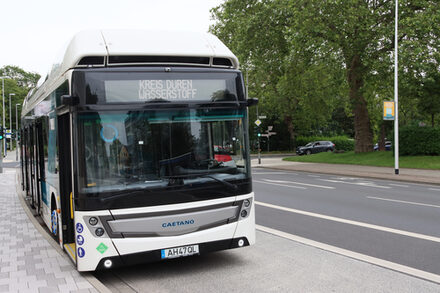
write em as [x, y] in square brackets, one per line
[25, 158]
[39, 164]
[32, 163]
[65, 166]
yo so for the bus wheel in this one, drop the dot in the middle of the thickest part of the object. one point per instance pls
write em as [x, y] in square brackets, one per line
[54, 222]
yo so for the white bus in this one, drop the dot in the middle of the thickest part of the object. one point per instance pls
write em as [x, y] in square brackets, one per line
[135, 148]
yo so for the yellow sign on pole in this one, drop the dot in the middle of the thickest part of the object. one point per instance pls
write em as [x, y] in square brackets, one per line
[388, 110]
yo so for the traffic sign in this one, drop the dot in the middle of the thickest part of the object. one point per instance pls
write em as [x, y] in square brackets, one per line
[388, 110]
[262, 117]
[258, 122]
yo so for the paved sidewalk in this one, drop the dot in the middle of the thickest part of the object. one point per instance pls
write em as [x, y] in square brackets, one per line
[408, 175]
[28, 262]
[11, 157]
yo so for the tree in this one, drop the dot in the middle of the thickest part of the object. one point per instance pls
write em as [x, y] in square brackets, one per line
[23, 78]
[18, 83]
[429, 101]
[286, 83]
[360, 32]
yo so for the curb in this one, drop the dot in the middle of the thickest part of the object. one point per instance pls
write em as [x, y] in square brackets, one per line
[98, 285]
[379, 176]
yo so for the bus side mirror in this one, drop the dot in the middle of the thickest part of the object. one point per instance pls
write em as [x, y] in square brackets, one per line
[69, 100]
[252, 102]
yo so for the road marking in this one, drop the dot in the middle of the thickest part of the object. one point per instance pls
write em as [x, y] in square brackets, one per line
[275, 173]
[314, 176]
[299, 183]
[398, 185]
[403, 201]
[366, 184]
[355, 255]
[299, 187]
[435, 189]
[350, 222]
[345, 178]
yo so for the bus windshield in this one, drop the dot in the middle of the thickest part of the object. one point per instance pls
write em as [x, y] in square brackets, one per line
[152, 149]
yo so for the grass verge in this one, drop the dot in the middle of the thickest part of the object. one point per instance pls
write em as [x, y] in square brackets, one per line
[380, 159]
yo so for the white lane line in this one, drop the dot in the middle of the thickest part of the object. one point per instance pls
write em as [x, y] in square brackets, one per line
[350, 222]
[403, 201]
[355, 255]
[299, 183]
[435, 189]
[299, 187]
[314, 176]
[345, 178]
[274, 173]
[398, 185]
[366, 184]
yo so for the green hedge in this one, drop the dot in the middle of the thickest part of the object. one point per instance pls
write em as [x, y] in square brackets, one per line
[342, 143]
[415, 140]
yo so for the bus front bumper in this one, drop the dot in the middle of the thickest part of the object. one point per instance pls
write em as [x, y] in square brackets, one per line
[156, 255]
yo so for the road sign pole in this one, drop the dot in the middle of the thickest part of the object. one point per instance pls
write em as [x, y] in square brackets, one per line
[396, 98]
[268, 140]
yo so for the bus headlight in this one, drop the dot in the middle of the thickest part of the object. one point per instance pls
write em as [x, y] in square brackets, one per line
[247, 203]
[99, 232]
[246, 208]
[93, 221]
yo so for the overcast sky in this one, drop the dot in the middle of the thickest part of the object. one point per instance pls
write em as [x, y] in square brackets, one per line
[33, 31]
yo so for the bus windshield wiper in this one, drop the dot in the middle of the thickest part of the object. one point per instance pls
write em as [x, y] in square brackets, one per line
[234, 187]
[122, 194]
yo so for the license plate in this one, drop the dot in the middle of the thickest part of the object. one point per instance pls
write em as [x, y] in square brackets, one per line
[179, 251]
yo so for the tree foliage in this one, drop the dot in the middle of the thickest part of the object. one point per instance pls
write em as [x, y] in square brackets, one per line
[18, 83]
[311, 61]
[23, 78]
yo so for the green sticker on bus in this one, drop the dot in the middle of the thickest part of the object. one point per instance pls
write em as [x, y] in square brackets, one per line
[102, 248]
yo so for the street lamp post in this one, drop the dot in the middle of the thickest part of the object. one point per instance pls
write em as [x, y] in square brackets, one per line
[1, 155]
[396, 95]
[3, 124]
[10, 121]
[16, 131]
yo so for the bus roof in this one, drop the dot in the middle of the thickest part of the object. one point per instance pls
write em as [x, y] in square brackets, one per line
[137, 47]
[102, 48]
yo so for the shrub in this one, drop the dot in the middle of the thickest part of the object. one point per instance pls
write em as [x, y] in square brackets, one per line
[342, 143]
[415, 140]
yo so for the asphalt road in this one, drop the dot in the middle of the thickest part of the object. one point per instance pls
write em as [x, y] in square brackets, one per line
[384, 233]
[397, 222]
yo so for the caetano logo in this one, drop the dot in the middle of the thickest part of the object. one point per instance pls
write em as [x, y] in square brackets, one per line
[177, 223]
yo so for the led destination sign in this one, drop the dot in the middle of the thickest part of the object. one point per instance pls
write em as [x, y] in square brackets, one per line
[165, 89]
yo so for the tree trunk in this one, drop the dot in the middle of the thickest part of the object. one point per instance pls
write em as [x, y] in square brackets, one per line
[362, 126]
[382, 137]
[432, 120]
[288, 120]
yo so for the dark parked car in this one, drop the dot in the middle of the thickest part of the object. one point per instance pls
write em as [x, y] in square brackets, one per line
[316, 147]
[388, 146]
